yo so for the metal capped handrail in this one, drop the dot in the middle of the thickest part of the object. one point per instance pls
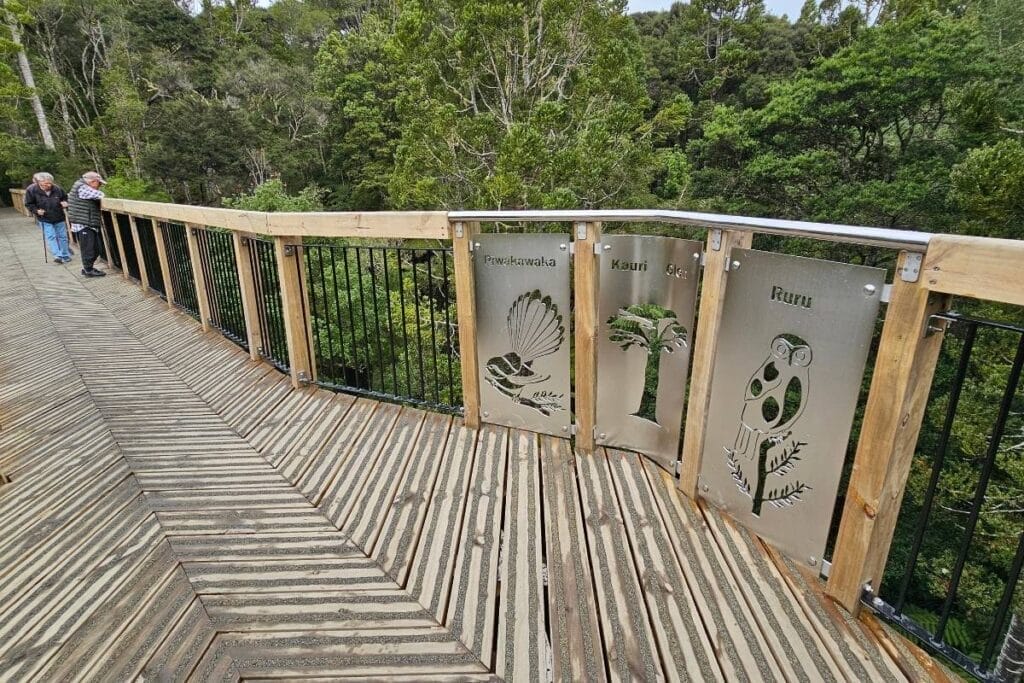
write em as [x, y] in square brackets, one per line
[909, 240]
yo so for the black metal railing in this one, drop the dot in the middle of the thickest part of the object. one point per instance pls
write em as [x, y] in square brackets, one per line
[114, 258]
[384, 322]
[179, 263]
[267, 286]
[220, 271]
[124, 228]
[958, 549]
[150, 257]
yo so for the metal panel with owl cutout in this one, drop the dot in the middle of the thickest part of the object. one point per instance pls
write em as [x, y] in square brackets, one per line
[793, 342]
[523, 327]
[646, 304]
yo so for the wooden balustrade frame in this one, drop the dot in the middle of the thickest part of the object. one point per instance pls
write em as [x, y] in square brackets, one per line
[976, 267]
[247, 287]
[586, 236]
[718, 253]
[165, 263]
[465, 311]
[137, 243]
[288, 252]
[195, 256]
[120, 244]
[107, 246]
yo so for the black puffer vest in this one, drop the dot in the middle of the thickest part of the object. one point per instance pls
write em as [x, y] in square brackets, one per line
[83, 211]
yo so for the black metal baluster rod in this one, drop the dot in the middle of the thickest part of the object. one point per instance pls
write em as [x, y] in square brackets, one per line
[1004, 604]
[281, 352]
[419, 331]
[236, 292]
[352, 322]
[366, 327]
[940, 458]
[337, 315]
[405, 327]
[433, 327]
[232, 294]
[311, 279]
[448, 332]
[391, 324]
[257, 281]
[376, 321]
[979, 496]
[204, 266]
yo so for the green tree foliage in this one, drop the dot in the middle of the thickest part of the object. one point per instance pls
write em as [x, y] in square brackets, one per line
[272, 196]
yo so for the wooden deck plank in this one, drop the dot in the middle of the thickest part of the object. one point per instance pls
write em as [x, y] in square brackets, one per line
[101, 637]
[320, 610]
[282, 576]
[182, 647]
[367, 652]
[522, 638]
[742, 650]
[846, 644]
[576, 646]
[685, 650]
[628, 638]
[364, 524]
[355, 440]
[303, 450]
[788, 638]
[349, 494]
[472, 610]
[427, 571]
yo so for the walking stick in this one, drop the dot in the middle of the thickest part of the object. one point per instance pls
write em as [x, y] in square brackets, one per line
[43, 233]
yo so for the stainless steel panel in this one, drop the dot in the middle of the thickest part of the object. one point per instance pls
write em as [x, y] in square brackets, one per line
[647, 298]
[523, 330]
[794, 339]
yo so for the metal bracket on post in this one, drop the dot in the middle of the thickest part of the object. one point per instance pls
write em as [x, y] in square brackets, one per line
[911, 269]
[716, 239]
[599, 248]
[581, 231]
[304, 378]
[460, 231]
[289, 250]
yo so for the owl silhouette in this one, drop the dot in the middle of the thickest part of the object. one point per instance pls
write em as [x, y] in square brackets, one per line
[775, 397]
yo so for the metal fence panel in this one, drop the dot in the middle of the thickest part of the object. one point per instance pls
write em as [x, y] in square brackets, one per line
[794, 338]
[523, 314]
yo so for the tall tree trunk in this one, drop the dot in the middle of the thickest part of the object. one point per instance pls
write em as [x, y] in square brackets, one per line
[30, 83]
[1010, 665]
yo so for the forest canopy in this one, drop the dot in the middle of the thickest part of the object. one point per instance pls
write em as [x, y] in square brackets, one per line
[897, 113]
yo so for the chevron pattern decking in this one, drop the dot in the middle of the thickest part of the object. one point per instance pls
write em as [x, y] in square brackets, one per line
[178, 512]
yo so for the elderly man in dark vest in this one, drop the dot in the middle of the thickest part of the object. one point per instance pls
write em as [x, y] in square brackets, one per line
[84, 213]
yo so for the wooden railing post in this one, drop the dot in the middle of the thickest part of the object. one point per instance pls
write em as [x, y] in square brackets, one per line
[585, 274]
[165, 264]
[465, 303]
[712, 301]
[254, 336]
[289, 255]
[107, 246]
[120, 244]
[907, 354]
[143, 274]
[196, 258]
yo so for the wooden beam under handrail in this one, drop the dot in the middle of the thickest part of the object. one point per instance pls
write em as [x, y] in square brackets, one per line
[371, 224]
[977, 267]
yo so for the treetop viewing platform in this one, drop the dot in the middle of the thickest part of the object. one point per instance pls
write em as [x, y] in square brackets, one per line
[501, 446]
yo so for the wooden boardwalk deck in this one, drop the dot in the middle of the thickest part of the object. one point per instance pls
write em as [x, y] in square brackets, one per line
[178, 512]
